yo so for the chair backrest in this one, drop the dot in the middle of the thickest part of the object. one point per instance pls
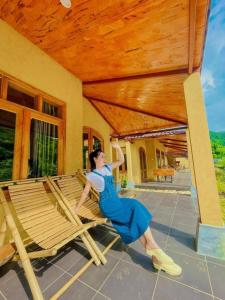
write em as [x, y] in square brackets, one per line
[39, 217]
[71, 186]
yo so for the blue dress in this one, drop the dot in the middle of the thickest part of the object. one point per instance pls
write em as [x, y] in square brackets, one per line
[129, 217]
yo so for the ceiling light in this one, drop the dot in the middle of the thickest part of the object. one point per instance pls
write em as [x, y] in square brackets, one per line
[66, 3]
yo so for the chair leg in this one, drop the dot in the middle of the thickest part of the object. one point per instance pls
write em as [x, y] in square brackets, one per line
[31, 278]
[75, 220]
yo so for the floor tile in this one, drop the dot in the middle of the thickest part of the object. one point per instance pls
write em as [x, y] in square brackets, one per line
[217, 277]
[188, 230]
[129, 282]
[183, 245]
[17, 285]
[99, 296]
[194, 272]
[2, 297]
[77, 290]
[94, 276]
[68, 256]
[216, 260]
[170, 290]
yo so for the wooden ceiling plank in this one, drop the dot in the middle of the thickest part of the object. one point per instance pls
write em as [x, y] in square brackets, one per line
[135, 110]
[192, 33]
[107, 121]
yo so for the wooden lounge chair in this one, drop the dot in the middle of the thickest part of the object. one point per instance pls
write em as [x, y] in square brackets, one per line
[69, 188]
[40, 216]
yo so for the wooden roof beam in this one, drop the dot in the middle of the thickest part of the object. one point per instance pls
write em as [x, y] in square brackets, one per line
[192, 33]
[175, 144]
[135, 110]
[173, 140]
[150, 134]
[183, 70]
[107, 121]
[176, 148]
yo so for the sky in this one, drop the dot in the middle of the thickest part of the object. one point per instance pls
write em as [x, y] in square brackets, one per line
[213, 68]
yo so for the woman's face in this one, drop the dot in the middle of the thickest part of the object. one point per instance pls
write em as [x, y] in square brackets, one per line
[100, 160]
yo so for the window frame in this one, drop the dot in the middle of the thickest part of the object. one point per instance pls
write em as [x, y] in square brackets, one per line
[91, 133]
[24, 115]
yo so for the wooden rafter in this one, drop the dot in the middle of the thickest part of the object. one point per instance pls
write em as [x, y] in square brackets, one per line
[107, 121]
[175, 147]
[153, 133]
[192, 32]
[135, 110]
[173, 144]
[138, 76]
[172, 140]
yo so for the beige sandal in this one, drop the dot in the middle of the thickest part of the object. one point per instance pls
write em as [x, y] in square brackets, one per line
[170, 268]
[166, 263]
[160, 255]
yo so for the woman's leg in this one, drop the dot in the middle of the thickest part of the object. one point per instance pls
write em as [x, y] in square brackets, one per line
[142, 239]
[150, 242]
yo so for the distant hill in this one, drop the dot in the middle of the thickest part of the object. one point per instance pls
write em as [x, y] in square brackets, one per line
[218, 137]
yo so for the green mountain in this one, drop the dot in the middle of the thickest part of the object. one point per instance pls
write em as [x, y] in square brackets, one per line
[218, 137]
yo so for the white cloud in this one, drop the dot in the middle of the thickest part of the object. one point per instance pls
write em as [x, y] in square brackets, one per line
[208, 80]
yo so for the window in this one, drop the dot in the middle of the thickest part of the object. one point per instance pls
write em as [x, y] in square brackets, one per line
[50, 109]
[31, 132]
[92, 140]
[19, 96]
[7, 138]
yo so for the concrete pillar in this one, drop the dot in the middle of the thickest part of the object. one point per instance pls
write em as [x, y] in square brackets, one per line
[208, 198]
[129, 165]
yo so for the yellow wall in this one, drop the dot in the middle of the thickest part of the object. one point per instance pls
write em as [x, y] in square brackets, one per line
[23, 60]
[183, 162]
[26, 62]
[91, 118]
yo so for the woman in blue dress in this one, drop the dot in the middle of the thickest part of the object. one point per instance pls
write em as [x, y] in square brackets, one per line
[129, 217]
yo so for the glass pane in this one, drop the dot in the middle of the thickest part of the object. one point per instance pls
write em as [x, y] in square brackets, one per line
[19, 96]
[96, 143]
[43, 149]
[85, 150]
[7, 137]
[50, 109]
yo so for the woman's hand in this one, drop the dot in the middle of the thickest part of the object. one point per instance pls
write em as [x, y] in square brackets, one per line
[76, 209]
[115, 145]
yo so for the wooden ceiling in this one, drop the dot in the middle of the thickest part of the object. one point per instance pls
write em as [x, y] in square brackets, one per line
[132, 55]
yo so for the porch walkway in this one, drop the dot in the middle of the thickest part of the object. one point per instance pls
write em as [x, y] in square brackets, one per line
[181, 182]
[129, 273]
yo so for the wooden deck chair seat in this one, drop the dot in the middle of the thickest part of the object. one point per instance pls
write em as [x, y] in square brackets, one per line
[69, 188]
[41, 219]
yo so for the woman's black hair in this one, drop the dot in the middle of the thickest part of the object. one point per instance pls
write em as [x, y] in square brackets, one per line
[93, 154]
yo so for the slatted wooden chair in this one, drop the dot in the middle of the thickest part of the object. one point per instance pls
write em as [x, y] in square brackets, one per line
[39, 214]
[69, 188]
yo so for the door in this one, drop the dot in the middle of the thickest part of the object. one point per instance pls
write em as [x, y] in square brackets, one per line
[143, 164]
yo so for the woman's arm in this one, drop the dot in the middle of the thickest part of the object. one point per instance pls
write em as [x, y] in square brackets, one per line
[83, 196]
[119, 162]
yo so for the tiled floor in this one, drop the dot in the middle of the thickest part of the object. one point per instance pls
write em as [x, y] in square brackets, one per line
[128, 273]
[181, 181]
